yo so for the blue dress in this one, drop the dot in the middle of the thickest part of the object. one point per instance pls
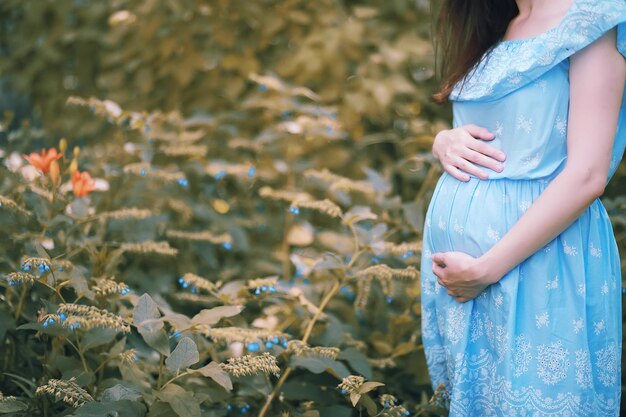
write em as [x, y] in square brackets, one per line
[546, 339]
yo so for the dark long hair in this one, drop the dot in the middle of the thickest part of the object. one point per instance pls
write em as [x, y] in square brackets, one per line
[464, 31]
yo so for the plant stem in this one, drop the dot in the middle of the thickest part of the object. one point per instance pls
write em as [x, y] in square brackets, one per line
[307, 333]
[20, 304]
[160, 371]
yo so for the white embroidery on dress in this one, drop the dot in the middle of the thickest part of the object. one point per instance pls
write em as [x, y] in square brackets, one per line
[583, 368]
[605, 288]
[595, 252]
[598, 327]
[553, 284]
[569, 250]
[523, 123]
[522, 355]
[581, 289]
[560, 125]
[552, 362]
[441, 224]
[455, 324]
[476, 328]
[531, 162]
[493, 234]
[499, 128]
[542, 320]
[608, 364]
[502, 342]
[457, 227]
[578, 325]
[498, 300]
[524, 205]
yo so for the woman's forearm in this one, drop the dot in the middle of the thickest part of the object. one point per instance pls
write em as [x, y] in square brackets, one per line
[560, 204]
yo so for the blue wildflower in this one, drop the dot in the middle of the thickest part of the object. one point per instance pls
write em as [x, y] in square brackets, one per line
[294, 210]
[251, 171]
[183, 182]
[268, 344]
[253, 347]
[227, 245]
[220, 175]
[62, 317]
[262, 87]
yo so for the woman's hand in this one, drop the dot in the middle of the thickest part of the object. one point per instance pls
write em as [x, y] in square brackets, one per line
[464, 276]
[460, 150]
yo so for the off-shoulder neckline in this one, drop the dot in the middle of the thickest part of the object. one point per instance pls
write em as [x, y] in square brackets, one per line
[569, 11]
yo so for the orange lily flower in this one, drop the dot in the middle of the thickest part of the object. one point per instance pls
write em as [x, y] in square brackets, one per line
[82, 183]
[43, 160]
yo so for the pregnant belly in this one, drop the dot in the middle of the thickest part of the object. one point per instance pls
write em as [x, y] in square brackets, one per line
[472, 216]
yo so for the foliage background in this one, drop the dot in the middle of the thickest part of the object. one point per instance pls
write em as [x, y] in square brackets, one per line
[347, 89]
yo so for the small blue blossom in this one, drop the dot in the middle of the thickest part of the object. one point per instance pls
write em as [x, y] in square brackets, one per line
[227, 245]
[220, 175]
[251, 171]
[125, 291]
[344, 392]
[389, 300]
[143, 172]
[263, 288]
[185, 284]
[181, 280]
[183, 182]
[407, 413]
[12, 283]
[194, 290]
[253, 347]
[257, 291]
[62, 317]
[268, 344]
[26, 267]
[42, 268]
[272, 289]
[285, 343]
[408, 254]
[275, 340]
[229, 407]
[294, 210]
[262, 87]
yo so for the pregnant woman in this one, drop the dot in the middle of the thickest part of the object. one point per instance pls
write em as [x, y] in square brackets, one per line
[521, 286]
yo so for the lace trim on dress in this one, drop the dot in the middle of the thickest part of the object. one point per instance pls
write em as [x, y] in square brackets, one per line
[510, 65]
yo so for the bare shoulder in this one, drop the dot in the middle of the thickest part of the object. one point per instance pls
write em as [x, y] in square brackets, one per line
[601, 52]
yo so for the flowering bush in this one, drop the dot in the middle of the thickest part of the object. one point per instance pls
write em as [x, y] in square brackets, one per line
[177, 269]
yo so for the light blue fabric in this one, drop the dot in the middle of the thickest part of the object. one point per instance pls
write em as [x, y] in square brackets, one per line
[546, 339]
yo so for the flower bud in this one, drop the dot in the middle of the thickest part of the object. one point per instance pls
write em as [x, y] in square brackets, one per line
[63, 145]
[73, 166]
[76, 151]
[54, 172]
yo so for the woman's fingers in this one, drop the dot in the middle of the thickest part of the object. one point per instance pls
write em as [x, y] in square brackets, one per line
[479, 132]
[468, 167]
[486, 149]
[456, 173]
[483, 160]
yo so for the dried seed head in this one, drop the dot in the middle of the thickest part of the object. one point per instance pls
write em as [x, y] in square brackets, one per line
[108, 286]
[238, 334]
[252, 365]
[198, 283]
[19, 278]
[7, 203]
[351, 384]
[126, 213]
[299, 348]
[204, 236]
[161, 248]
[67, 391]
[323, 206]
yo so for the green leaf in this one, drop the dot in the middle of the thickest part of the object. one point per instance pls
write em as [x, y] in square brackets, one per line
[145, 309]
[123, 408]
[182, 402]
[320, 364]
[368, 386]
[120, 392]
[97, 337]
[213, 315]
[184, 355]
[369, 404]
[214, 371]
[147, 319]
[12, 406]
[357, 361]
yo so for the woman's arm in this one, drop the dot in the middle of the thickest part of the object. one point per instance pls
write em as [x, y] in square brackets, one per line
[597, 76]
